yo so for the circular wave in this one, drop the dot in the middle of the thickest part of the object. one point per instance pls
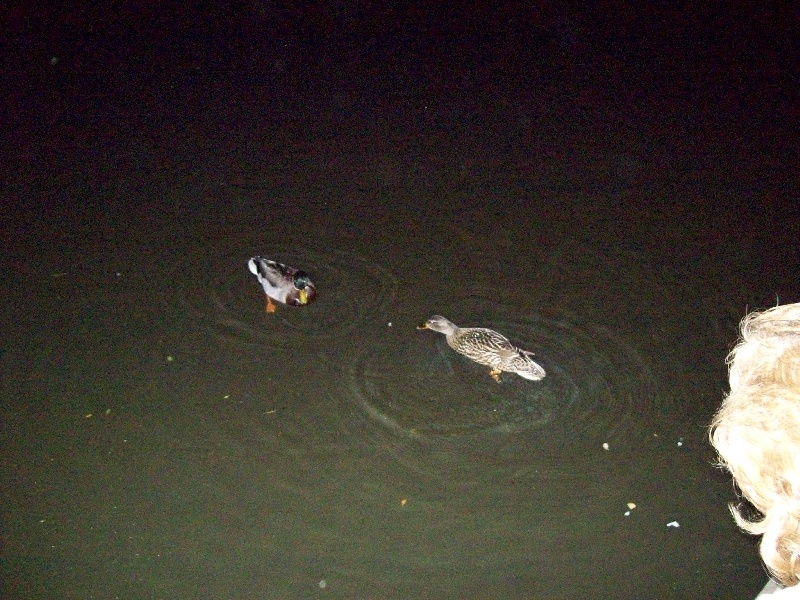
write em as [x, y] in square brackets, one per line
[424, 402]
[226, 301]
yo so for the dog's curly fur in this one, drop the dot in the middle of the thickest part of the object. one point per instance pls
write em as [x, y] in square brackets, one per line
[757, 434]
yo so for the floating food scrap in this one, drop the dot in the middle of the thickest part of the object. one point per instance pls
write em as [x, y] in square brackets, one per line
[673, 524]
[605, 445]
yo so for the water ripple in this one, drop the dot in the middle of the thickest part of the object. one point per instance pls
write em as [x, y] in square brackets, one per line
[225, 301]
[435, 410]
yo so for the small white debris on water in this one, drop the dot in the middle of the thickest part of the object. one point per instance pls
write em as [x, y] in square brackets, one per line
[673, 524]
[680, 442]
[323, 584]
[389, 323]
[605, 445]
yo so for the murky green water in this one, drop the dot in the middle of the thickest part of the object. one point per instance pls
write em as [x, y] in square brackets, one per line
[165, 437]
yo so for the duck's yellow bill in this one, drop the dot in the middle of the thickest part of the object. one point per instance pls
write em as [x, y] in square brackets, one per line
[303, 296]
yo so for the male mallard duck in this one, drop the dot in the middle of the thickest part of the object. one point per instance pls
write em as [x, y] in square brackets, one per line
[282, 283]
[487, 347]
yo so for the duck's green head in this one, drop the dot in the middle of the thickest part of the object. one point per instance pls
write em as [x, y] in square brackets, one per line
[302, 284]
[301, 280]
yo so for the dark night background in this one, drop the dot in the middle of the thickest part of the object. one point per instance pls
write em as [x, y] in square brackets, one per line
[613, 184]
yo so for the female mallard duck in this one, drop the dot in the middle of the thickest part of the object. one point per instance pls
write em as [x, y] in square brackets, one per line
[282, 283]
[487, 347]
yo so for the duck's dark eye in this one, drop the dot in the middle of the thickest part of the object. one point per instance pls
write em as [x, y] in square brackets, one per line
[301, 280]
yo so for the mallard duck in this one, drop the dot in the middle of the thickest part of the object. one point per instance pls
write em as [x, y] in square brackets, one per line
[282, 283]
[487, 347]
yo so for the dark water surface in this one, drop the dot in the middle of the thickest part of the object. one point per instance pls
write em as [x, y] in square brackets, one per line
[164, 437]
